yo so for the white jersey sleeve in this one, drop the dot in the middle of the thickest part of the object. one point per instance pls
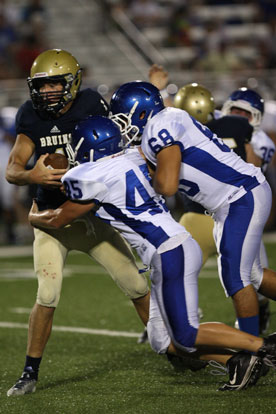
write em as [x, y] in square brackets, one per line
[80, 184]
[211, 174]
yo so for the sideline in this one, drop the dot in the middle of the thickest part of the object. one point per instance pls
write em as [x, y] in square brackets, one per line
[70, 329]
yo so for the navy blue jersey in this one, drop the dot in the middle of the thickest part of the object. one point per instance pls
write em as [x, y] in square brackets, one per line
[235, 132]
[52, 134]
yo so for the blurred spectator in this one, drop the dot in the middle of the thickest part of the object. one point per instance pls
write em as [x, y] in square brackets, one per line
[10, 12]
[8, 38]
[179, 27]
[14, 201]
[29, 48]
[34, 20]
[268, 7]
[34, 10]
[270, 44]
[214, 35]
[145, 13]
[220, 59]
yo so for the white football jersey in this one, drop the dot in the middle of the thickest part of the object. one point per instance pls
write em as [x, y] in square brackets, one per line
[122, 190]
[263, 147]
[211, 174]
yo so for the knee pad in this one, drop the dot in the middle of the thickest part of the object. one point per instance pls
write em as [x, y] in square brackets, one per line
[49, 286]
[49, 257]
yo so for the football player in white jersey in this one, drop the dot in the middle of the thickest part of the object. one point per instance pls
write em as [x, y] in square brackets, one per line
[119, 186]
[258, 150]
[244, 102]
[249, 104]
[188, 157]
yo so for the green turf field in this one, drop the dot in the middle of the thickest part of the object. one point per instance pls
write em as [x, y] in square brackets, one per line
[101, 369]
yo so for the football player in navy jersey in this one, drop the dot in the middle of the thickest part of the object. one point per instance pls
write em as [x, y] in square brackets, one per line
[120, 186]
[44, 125]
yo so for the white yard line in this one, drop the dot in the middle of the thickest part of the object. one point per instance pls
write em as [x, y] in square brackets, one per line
[87, 331]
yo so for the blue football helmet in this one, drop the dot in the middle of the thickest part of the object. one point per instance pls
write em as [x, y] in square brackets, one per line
[93, 138]
[132, 106]
[248, 100]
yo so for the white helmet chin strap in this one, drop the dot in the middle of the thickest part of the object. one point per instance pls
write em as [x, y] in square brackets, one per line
[72, 154]
[79, 144]
[91, 155]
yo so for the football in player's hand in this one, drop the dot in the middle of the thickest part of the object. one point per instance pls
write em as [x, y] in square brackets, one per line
[56, 161]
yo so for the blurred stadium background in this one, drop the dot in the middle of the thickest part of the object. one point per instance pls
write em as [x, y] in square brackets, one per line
[220, 44]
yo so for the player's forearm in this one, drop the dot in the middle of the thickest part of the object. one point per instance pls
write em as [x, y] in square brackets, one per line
[164, 187]
[47, 219]
[16, 174]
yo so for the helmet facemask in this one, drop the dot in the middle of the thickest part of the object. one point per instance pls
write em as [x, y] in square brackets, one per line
[131, 133]
[53, 102]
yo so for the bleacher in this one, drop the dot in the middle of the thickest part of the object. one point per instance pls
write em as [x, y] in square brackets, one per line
[111, 58]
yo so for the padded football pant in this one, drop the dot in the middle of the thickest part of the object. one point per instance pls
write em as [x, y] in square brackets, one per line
[94, 237]
[238, 233]
[201, 227]
[174, 297]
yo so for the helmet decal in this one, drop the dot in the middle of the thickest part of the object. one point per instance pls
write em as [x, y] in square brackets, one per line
[93, 138]
[133, 105]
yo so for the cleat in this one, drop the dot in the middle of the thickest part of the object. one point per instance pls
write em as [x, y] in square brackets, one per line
[244, 371]
[143, 338]
[264, 317]
[182, 363]
[25, 385]
[268, 351]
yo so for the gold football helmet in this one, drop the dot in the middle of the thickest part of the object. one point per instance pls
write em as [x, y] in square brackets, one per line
[54, 66]
[197, 101]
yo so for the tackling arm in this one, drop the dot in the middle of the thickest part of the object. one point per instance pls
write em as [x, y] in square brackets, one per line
[60, 217]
